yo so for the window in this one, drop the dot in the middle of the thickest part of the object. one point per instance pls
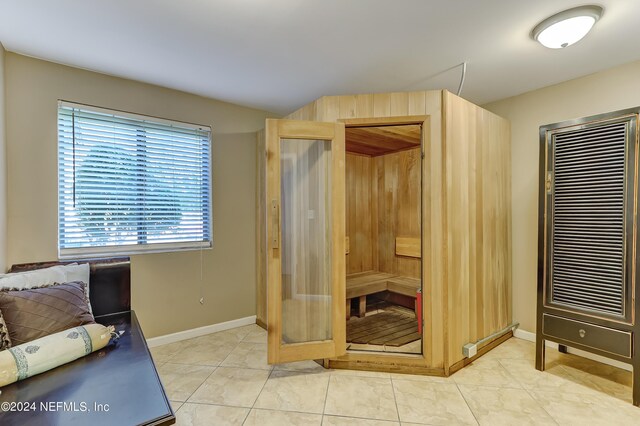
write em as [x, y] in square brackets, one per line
[131, 184]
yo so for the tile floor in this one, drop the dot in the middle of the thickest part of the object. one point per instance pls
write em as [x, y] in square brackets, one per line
[223, 379]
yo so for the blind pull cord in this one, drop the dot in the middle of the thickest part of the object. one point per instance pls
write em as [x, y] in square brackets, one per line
[73, 133]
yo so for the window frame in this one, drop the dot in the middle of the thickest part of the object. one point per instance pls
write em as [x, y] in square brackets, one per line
[131, 249]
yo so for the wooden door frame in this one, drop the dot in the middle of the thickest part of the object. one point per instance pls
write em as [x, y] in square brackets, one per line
[385, 361]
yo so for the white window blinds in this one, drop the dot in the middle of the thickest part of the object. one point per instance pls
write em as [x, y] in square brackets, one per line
[129, 184]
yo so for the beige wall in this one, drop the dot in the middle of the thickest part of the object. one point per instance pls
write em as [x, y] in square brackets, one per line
[166, 288]
[606, 91]
[3, 169]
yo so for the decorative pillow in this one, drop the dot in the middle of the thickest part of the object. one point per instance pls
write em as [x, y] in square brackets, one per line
[51, 351]
[35, 278]
[33, 313]
[47, 276]
[77, 272]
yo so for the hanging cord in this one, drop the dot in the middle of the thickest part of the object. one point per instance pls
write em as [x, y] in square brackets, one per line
[420, 85]
[464, 74]
[201, 285]
[73, 138]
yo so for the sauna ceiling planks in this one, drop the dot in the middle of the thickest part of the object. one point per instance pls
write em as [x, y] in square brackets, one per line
[374, 141]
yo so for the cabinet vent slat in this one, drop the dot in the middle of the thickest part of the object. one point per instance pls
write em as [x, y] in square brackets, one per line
[580, 274]
[588, 198]
[599, 146]
[588, 135]
[581, 167]
[590, 246]
[583, 157]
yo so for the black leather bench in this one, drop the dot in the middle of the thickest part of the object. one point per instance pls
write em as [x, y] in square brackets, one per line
[117, 385]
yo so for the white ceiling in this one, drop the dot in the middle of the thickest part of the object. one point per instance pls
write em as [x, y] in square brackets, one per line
[280, 54]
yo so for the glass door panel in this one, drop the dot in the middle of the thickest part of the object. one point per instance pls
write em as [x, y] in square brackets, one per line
[305, 170]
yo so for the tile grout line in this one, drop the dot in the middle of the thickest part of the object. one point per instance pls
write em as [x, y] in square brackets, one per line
[168, 360]
[230, 352]
[199, 386]
[277, 410]
[542, 407]
[269, 409]
[203, 382]
[258, 396]
[467, 403]
[261, 389]
[326, 396]
[247, 415]
[343, 416]
[509, 374]
[528, 392]
[364, 418]
[219, 366]
[395, 399]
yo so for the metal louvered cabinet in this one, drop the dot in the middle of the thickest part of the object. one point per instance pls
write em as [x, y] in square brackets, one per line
[587, 238]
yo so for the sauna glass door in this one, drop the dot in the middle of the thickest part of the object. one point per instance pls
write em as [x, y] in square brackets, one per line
[305, 240]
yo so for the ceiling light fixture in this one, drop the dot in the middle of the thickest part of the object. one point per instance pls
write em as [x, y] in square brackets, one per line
[566, 28]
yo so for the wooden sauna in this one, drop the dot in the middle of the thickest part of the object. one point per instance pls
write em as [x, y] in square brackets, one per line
[390, 193]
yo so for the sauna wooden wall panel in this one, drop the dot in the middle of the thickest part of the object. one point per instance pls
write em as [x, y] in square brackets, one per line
[359, 213]
[373, 221]
[398, 209]
[478, 232]
[307, 112]
[434, 289]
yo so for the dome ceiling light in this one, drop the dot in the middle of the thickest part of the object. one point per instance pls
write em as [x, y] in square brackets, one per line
[567, 27]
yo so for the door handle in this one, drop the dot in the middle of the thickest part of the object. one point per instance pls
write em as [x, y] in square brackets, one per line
[275, 224]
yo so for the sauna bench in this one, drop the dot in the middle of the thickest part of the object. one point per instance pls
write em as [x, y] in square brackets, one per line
[362, 284]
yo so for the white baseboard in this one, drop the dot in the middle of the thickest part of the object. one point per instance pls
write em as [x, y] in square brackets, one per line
[524, 335]
[200, 331]
[527, 335]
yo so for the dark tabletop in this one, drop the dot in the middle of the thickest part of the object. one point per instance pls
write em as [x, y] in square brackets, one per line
[117, 385]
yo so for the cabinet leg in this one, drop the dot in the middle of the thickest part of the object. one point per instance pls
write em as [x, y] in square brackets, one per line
[540, 352]
[636, 370]
[362, 306]
[562, 349]
[348, 310]
[636, 384]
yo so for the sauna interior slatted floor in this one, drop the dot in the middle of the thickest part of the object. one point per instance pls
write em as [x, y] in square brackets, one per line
[385, 327]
